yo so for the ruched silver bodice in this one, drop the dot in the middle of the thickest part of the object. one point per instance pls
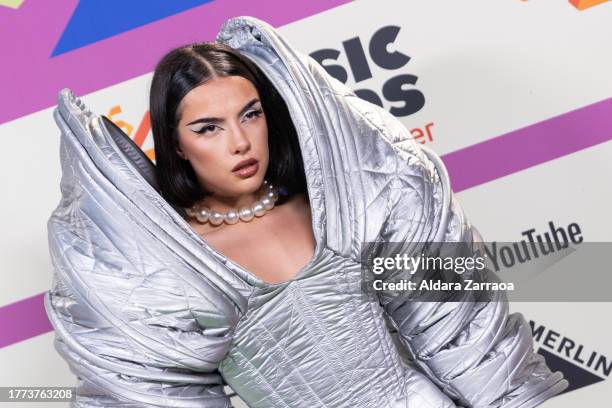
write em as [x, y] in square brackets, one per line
[320, 341]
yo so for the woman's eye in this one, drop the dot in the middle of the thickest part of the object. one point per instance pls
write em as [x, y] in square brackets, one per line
[253, 113]
[207, 128]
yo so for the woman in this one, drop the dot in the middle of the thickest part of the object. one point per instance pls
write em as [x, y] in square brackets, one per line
[212, 134]
[153, 310]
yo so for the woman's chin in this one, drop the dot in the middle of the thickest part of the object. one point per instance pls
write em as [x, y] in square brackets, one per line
[247, 186]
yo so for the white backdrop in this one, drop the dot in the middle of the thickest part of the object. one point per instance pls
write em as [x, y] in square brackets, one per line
[484, 69]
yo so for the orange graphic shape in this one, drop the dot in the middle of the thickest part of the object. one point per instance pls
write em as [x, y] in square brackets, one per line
[11, 3]
[126, 127]
[150, 154]
[143, 129]
[584, 4]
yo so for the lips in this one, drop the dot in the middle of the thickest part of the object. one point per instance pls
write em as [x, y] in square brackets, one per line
[244, 163]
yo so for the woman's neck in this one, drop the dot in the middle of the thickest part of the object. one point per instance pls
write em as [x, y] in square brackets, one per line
[224, 203]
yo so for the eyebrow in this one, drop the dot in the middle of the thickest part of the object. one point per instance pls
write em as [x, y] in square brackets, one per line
[219, 120]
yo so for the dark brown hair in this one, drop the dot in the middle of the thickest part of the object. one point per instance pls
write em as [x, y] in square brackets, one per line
[187, 67]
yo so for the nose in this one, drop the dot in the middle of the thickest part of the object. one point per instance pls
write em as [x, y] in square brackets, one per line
[239, 142]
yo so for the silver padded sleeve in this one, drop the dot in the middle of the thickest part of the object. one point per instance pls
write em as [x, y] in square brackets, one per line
[477, 352]
[139, 319]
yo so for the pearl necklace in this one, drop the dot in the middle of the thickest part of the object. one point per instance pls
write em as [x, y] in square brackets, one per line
[265, 203]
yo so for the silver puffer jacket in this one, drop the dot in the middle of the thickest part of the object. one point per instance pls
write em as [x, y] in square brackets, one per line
[146, 313]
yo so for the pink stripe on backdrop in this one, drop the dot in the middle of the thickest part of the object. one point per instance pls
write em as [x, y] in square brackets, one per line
[23, 320]
[28, 35]
[469, 167]
[530, 146]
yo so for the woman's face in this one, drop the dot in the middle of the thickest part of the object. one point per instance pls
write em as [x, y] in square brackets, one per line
[221, 124]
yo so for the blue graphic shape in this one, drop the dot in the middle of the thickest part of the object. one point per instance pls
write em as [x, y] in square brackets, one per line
[95, 20]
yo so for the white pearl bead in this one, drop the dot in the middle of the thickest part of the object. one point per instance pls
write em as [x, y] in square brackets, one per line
[232, 217]
[203, 214]
[246, 214]
[258, 208]
[273, 195]
[267, 202]
[215, 218]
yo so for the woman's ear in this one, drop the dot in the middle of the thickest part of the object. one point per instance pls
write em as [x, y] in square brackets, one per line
[180, 153]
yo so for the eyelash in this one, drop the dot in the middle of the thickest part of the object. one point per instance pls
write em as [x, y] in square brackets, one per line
[253, 114]
[205, 129]
[256, 112]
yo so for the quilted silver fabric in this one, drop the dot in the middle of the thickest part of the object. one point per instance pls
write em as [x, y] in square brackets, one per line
[146, 313]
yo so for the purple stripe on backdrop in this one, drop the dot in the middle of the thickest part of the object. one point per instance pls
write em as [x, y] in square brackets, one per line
[23, 320]
[28, 35]
[530, 146]
[468, 167]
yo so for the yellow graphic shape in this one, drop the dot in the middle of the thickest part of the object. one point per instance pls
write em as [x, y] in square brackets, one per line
[150, 154]
[126, 127]
[584, 4]
[11, 3]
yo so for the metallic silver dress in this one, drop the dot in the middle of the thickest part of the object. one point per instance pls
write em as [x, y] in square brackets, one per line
[146, 313]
